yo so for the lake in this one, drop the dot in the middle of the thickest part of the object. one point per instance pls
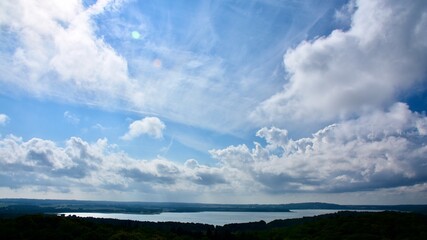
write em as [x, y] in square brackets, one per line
[213, 218]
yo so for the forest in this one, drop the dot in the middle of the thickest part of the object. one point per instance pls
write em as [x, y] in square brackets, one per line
[341, 225]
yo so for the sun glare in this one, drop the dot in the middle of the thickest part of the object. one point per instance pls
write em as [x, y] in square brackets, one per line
[136, 35]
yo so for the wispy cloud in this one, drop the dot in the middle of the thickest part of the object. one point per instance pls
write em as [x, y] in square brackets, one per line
[99, 127]
[72, 118]
[176, 69]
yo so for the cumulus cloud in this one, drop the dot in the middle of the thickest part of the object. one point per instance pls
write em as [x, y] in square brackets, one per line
[151, 126]
[95, 166]
[347, 73]
[39, 162]
[3, 119]
[383, 150]
[205, 175]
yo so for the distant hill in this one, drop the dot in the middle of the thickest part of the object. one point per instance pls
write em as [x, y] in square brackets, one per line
[33, 206]
[421, 208]
[315, 205]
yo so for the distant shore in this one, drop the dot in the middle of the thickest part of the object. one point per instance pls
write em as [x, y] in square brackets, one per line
[33, 206]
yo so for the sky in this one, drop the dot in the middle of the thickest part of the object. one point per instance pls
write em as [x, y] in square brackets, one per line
[250, 101]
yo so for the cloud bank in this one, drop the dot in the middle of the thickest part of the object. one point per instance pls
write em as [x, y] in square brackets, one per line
[96, 167]
[382, 150]
[385, 150]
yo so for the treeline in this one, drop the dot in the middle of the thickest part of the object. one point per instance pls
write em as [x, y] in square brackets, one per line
[342, 225]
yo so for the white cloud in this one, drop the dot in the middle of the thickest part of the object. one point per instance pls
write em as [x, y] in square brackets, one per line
[347, 73]
[3, 119]
[382, 150]
[56, 48]
[40, 162]
[274, 136]
[151, 126]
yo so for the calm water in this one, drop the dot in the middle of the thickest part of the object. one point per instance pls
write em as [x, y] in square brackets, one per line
[214, 218]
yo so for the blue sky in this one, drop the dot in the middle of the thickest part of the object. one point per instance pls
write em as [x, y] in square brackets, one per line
[199, 101]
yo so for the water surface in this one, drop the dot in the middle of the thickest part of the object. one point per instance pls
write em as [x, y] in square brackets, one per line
[213, 218]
